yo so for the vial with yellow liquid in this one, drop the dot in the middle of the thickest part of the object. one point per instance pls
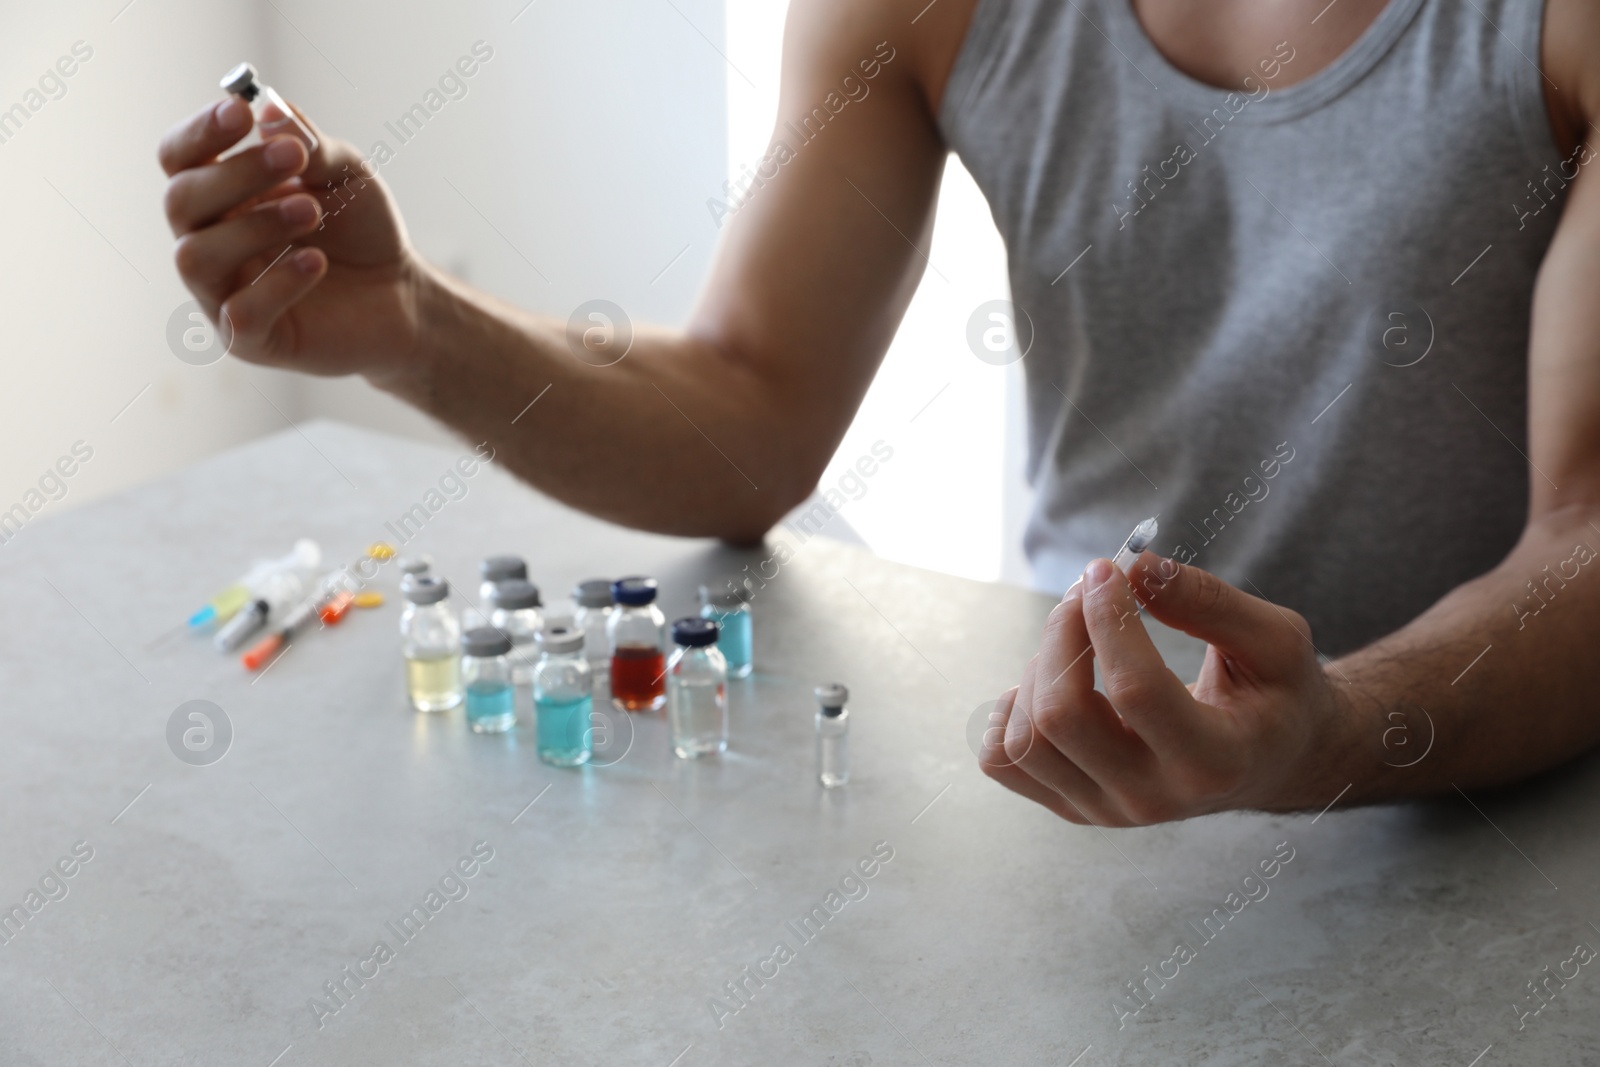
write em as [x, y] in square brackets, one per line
[430, 636]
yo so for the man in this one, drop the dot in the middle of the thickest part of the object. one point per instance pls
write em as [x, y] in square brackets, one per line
[1312, 281]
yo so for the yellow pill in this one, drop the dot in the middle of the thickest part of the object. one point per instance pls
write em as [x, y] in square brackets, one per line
[380, 550]
[369, 599]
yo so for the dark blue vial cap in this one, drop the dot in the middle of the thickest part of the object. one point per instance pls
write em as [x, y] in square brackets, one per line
[695, 633]
[634, 592]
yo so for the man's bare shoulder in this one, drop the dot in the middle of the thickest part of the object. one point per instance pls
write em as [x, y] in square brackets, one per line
[1571, 50]
[926, 36]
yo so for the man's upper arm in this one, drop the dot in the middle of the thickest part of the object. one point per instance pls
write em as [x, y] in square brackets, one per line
[1564, 353]
[821, 258]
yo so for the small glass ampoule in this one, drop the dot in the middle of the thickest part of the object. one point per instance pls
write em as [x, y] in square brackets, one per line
[563, 698]
[515, 605]
[430, 637]
[697, 691]
[833, 735]
[729, 608]
[635, 634]
[486, 676]
[274, 116]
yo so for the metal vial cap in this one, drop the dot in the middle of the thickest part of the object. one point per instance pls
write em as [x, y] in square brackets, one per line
[485, 642]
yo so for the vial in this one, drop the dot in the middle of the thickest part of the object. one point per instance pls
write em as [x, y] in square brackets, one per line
[563, 698]
[412, 565]
[430, 638]
[515, 605]
[729, 608]
[833, 735]
[697, 691]
[497, 569]
[486, 676]
[274, 117]
[595, 608]
[635, 635]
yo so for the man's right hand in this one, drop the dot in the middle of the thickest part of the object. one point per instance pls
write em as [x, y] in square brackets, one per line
[343, 299]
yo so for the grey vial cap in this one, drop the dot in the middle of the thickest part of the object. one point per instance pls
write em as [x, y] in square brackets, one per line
[733, 594]
[424, 588]
[415, 564]
[514, 594]
[240, 79]
[503, 568]
[485, 642]
[832, 696]
[595, 593]
[561, 639]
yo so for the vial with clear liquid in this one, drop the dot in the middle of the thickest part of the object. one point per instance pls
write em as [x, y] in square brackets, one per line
[430, 638]
[274, 117]
[833, 735]
[697, 691]
[498, 569]
[594, 609]
[515, 608]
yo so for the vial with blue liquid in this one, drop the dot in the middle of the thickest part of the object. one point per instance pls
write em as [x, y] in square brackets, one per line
[563, 697]
[729, 608]
[486, 677]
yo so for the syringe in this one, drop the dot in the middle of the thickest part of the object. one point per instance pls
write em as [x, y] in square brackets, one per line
[1141, 538]
[298, 619]
[222, 607]
[328, 604]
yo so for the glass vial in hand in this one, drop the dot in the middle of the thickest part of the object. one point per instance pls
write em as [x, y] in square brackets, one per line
[274, 116]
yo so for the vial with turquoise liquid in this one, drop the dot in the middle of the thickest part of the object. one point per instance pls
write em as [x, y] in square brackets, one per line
[697, 691]
[274, 116]
[515, 608]
[486, 677]
[729, 608]
[430, 641]
[833, 735]
[563, 698]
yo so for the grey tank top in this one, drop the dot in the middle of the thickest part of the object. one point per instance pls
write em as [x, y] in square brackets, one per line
[1290, 322]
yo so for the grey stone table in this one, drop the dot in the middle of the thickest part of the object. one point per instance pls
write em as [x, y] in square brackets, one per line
[606, 914]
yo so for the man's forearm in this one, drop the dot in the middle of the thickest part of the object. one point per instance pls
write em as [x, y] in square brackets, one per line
[676, 436]
[1496, 681]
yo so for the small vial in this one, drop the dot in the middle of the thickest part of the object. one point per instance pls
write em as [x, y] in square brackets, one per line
[413, 565]
[497, 569]
[516, 606]
[635, 635]
[697, 691]
[563, 698]
[595, 608]
[486, 675]
[729, 608]
[430, 638]
[274, 117]
[833, 735]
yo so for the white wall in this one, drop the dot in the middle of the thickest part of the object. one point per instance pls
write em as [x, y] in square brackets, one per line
[85, 257]
[589, 141]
